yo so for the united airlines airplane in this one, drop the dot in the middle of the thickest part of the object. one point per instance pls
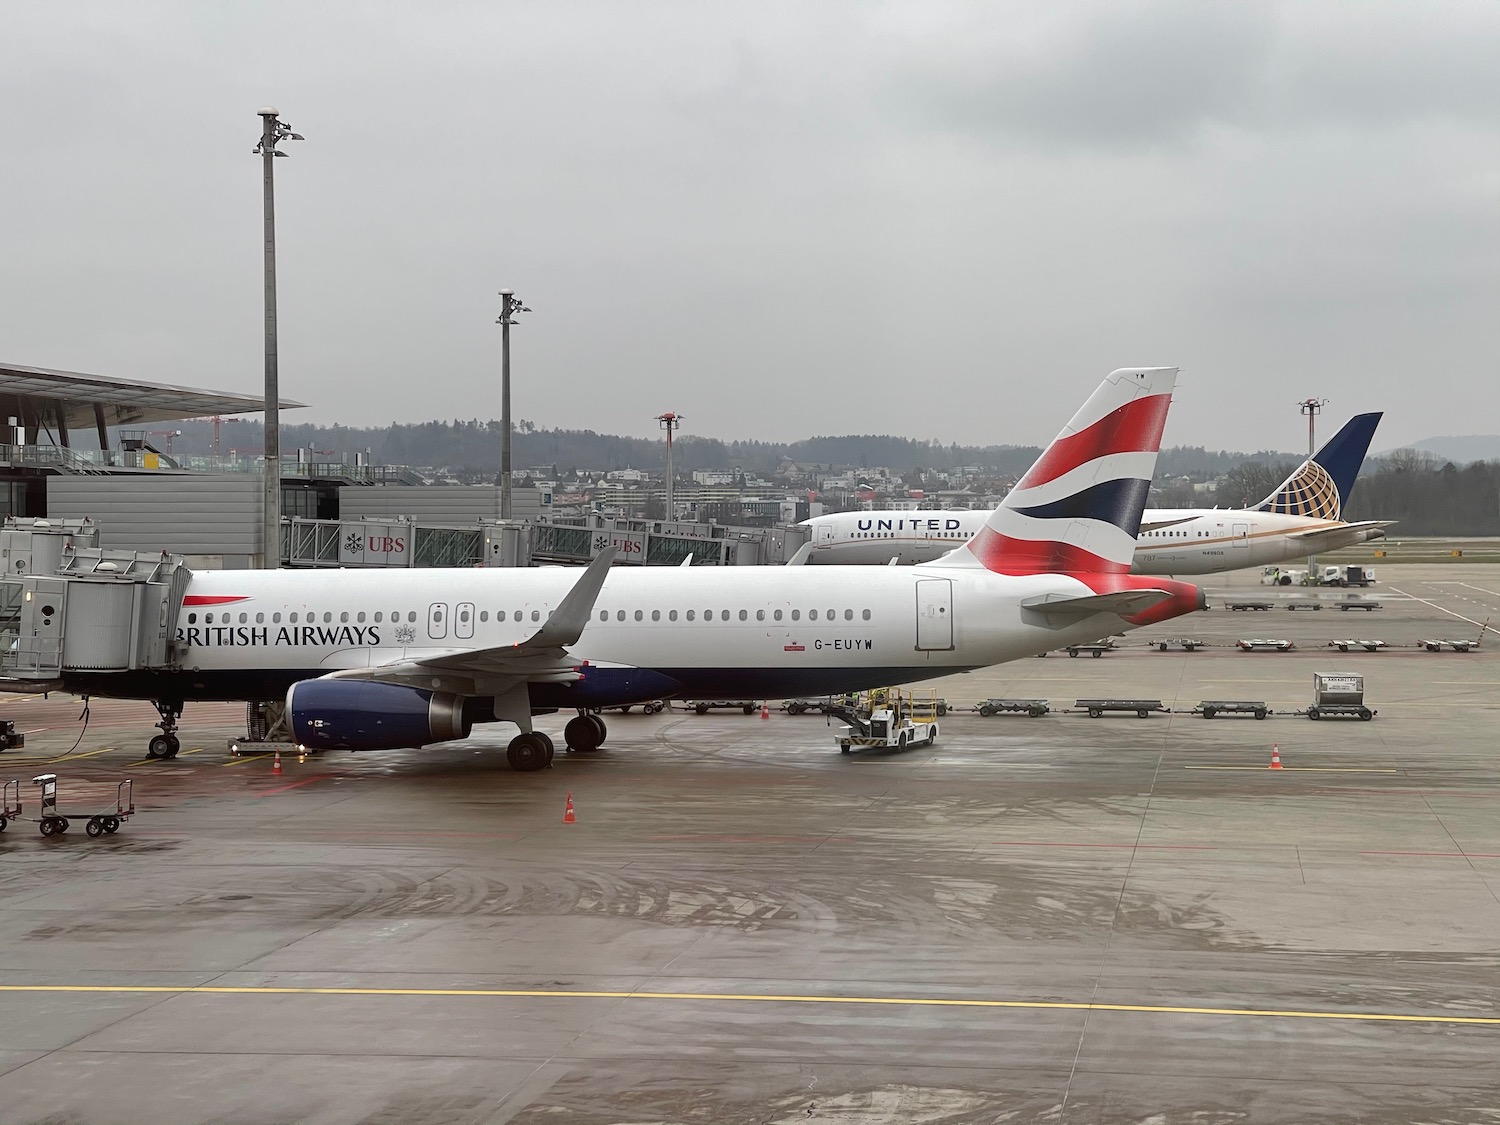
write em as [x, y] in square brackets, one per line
[1301, 517]
[376, 659]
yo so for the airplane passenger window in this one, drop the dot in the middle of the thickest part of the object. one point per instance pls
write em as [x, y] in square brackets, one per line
[411, 616]
[192, 619]
[343, 618]
[744, 615]
[708, 615]
[777, 615]
[639, 616]
[867, 615]
[379, 617]
[536, 615]
[689, 615]
[260, 618]
[671, 615]
[292, 617]
[275, 619]
[848, 615]
[360, 617]
[484, 615]
[796, 615]
[812, 614]
[604, 615]
[620, 615]
[723, 615]
[832, 614]
[244, 617]
[656, 615]
[517, 615]
[208, 619]
[463, 615]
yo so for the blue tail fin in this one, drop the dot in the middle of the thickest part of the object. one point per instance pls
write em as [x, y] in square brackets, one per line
[1321, 485]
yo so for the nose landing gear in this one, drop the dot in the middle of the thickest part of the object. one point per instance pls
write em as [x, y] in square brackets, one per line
[165, 744]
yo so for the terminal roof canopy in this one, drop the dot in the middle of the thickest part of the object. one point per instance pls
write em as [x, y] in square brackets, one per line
[42, 397]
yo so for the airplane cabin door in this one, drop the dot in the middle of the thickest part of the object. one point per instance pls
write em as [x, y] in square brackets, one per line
[437, 620]
[825, 533]
[1241, 533]
[934, 614]
[463, 621]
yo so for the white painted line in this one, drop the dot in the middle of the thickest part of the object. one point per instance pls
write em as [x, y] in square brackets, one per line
[1439, 608]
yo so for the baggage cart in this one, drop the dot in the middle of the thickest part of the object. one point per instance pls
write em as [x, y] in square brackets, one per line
[53, 821]
[10, 803]
[1211, 707]
[1097, 707]
[1036, 708]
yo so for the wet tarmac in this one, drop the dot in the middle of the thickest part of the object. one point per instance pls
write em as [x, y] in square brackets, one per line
[1061, 919]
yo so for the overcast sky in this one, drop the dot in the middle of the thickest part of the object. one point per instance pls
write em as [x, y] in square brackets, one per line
[945, 220]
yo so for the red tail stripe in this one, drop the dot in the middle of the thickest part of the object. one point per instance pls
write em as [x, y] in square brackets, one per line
[1135, 427]
[1005, 555]
[214, 599]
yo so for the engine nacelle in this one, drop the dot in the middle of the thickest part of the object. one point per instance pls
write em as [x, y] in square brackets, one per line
[362, 715]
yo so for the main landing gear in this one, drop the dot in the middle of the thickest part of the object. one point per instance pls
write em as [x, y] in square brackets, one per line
[586, 733]
[165, 745]
[529, 752]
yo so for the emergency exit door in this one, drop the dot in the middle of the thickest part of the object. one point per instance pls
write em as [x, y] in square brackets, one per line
[934, 614]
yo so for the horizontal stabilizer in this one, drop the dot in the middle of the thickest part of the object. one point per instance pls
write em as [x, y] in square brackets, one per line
[1123, 603]
[1339, 531]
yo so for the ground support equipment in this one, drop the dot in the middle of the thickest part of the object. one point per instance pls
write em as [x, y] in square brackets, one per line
[801, 706]
[1189, 644]
[1095, 651]
[1372, 606]
[1304, 605]
[54, 822]
[1456, 646]
[1211, 707]
[1097, 707]
[895, 722]
[1248, 606]
[1341, 710]
[10, 803]
[10, 738]
[1347, 645]
[1339, 694]
[1036, 708]
[703, 706]
[1263, 644]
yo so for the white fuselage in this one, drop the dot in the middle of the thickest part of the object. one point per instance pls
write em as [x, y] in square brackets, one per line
[1194, 540]
[754, 630]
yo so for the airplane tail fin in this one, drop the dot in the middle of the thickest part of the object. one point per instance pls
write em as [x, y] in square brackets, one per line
[1320, 486]
[1078, 509]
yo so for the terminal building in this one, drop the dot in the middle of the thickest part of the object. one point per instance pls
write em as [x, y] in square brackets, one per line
[78, 446]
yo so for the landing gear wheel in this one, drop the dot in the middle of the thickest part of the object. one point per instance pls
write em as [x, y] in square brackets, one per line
[160, 747]
[581, 734]
[111, 824]
[94, 828]
[527, 753]
[598, 721]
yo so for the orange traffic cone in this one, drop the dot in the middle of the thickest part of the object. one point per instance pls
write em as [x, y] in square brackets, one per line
[568, 817]
[765, 710]
[276, 763]
[1275, 757]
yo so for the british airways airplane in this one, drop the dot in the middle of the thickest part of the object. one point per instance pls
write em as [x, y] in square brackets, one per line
[368, 660]
[1301, 517]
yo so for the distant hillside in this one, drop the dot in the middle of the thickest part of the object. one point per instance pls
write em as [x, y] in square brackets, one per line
[1460, 449]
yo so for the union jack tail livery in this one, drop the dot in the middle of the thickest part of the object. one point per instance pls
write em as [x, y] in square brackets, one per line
[1078, 509]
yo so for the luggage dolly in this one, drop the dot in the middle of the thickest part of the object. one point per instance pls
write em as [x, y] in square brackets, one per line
[10, 803]
[53, 822]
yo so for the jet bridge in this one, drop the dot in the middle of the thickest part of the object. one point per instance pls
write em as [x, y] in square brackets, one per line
[86, 609]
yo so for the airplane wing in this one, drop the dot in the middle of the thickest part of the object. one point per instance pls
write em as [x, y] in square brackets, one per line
[542, 657]
[1157, 525]
[1312, 538]
[1123, 603]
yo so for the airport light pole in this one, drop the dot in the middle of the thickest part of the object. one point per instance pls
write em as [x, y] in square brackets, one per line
[510, 305]
[1312, 407]
[272, 132]
[669, 422]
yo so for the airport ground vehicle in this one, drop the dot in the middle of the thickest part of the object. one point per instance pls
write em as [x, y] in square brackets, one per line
[895, 721]
[704, 706]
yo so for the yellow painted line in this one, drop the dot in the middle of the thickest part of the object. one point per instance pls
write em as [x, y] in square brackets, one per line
[1303, 769]
[75, 757]
[750, 998]
[241, 759]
